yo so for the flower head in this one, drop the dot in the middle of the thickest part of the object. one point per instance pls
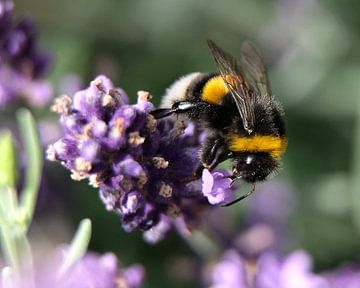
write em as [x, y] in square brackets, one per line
[140, 165]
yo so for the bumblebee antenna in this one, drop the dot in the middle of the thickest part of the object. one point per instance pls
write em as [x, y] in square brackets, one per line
[241, 197]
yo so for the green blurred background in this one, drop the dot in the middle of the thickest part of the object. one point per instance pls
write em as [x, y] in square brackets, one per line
[312, 51]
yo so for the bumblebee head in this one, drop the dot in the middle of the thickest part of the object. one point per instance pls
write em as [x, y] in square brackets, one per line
[254, 167]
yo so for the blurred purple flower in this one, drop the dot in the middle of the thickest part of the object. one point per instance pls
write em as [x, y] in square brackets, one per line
[344, 277]
[230, 272]
[22, 65]
[274, 202]
[269, 271]
[102, 271]
[292, 272]
[141, 165]
[92, 271]
[268, 219]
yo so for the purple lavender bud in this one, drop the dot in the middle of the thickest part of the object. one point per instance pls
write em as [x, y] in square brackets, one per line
[216, 187]
[132, 202]
[143, 167]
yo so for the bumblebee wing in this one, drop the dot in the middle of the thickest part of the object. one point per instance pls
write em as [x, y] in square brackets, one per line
[235, 81]
[254, 68]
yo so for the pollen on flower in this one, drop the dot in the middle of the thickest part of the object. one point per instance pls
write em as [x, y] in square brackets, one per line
[142, 180]
[62, 105]
[165, 191]
[107, 100]
[173, 210]
[119, 127]
[151, 123]
[87, 131]
[98, 84]
[160, 162]
[95, 180]
[81, 165]
[135, 139]
[144, 95]
[51, 153]
[78, 176]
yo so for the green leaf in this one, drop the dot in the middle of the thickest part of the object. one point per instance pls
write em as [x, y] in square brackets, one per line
[8, 161]
[78, 247]
[31, 142]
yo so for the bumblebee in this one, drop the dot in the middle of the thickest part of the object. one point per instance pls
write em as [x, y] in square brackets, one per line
[236, 106]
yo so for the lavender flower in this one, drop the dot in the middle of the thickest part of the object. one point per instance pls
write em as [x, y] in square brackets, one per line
[215, 187]
[93, 270]
[230, 272]
[22, 66]
[102, 271]
[292, 272]
[269, 271]
[142, 166]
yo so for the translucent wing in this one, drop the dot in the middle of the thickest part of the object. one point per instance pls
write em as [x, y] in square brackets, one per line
[254, 68]
[234, 79]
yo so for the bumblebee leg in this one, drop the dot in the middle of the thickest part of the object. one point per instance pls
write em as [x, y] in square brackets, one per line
[177, 108]
[220, 158]
[198, 171]
[213, 154]
[211, 149]
[161, 112]
[240, 198]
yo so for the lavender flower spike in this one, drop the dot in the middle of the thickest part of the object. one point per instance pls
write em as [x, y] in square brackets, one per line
[140, 164]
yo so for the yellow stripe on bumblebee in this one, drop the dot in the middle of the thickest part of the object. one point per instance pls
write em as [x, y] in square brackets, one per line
[274, 145]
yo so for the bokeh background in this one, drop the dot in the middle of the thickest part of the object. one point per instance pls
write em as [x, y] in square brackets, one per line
[312, 52]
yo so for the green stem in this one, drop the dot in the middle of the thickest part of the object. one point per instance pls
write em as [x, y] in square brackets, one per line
[355, 183]
[78, 247]
[34, 165]
[8, 210]
[202, 245]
